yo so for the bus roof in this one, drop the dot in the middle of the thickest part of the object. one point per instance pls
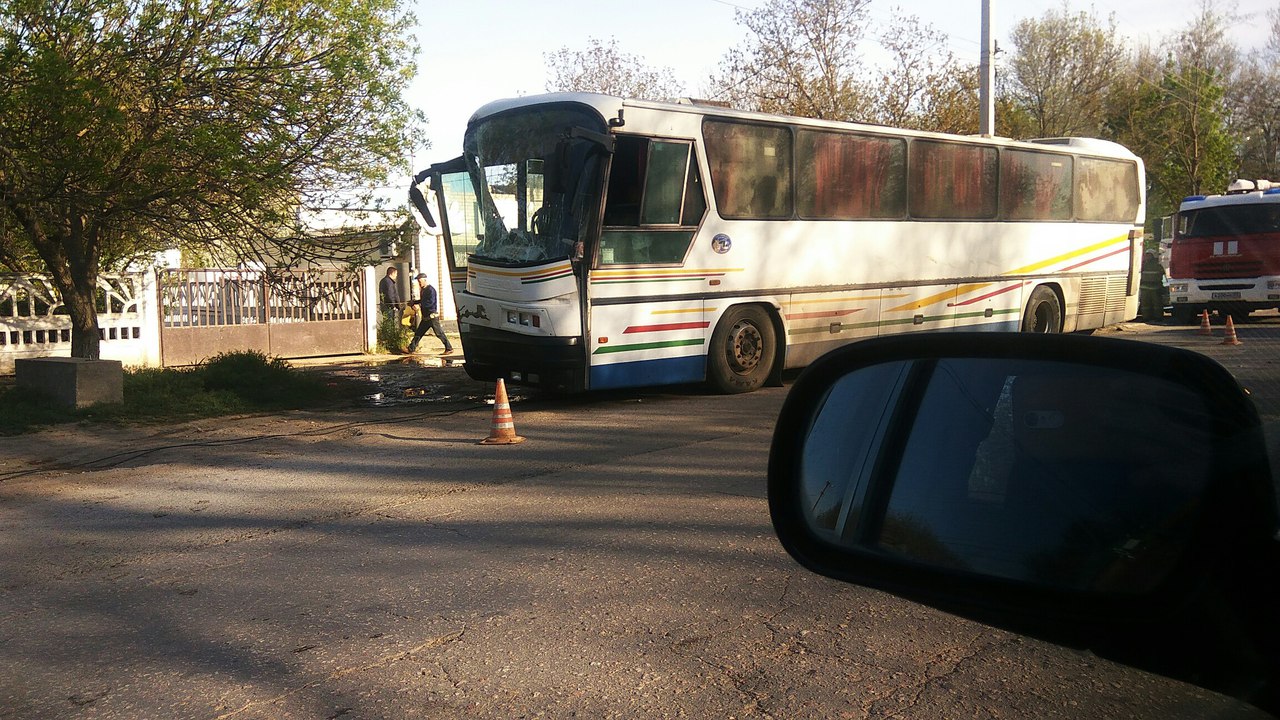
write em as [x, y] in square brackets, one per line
[609, 105]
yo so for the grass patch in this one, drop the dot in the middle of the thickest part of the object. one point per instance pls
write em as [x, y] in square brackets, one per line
[227, 384]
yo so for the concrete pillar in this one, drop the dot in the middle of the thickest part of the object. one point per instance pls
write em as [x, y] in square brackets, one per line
[72, 382]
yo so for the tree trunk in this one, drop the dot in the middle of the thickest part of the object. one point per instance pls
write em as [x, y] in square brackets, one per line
[81, 304]
[71, 257]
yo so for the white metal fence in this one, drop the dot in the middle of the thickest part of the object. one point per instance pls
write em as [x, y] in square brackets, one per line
[34, 322]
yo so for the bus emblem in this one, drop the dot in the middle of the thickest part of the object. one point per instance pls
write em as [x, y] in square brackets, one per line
[721, 243]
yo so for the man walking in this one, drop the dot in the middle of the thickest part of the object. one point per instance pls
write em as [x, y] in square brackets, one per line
[429, 306]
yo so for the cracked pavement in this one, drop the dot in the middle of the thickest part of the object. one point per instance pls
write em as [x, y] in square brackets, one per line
[377, 563]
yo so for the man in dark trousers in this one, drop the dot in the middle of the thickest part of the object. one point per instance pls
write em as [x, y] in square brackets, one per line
[389, 294]
[430, 308]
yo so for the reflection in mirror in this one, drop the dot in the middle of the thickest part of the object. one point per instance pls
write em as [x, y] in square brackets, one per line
[1056, 474]
[838, 456]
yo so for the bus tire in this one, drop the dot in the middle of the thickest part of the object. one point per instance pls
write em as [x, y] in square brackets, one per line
[743, 348]
[1044, 312]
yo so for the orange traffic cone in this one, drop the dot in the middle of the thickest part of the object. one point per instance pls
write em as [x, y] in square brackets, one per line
[1204, 323]
[1230, 338]
[503, 429]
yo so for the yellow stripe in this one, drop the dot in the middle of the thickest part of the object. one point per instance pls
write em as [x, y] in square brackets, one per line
[1068, 256]
[672, 271]
[523, 273]
[857, 298]
[948, 295]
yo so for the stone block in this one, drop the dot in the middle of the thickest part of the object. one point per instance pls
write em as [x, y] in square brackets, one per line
[72, 382]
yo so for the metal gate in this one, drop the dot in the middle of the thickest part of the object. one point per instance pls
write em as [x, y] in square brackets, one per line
[286, 313]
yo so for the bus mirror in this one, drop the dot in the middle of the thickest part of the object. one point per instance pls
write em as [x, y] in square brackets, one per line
[1072, 488]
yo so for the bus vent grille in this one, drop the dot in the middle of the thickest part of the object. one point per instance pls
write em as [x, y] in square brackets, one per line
[1093, 295]
[1102, 294]
[1116, 288]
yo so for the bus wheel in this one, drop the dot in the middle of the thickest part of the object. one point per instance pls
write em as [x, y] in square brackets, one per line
[1044, 312]
[742, 350]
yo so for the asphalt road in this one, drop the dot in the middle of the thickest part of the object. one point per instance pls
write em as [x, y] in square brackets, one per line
[376, 563]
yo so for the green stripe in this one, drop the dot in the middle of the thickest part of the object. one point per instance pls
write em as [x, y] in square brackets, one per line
[646, 346]
[903, 321]
[983, 313]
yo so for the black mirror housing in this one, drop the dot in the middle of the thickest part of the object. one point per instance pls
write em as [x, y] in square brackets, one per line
[1092, 492]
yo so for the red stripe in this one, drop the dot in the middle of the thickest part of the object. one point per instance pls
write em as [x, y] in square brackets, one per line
[1094, 260]
[1001, 291]
[670, 326]
[824, 314]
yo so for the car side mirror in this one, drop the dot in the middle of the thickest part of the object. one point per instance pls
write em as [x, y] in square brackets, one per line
[1093, 492]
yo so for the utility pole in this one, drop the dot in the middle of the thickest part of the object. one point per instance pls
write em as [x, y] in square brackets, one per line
[986, 84]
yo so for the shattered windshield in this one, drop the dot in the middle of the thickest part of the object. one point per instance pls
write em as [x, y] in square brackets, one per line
[535, 187]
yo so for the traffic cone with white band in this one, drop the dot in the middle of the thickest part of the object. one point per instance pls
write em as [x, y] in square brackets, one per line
[503, 429]
[1204, 323]
[1230, 338]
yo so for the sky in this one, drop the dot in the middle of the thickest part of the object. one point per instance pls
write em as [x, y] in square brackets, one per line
[476, 51]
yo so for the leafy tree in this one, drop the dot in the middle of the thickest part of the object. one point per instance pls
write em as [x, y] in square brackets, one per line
[1174, 114]
[1062, 67]
[800, 58]
[131, 126]
[606, 69]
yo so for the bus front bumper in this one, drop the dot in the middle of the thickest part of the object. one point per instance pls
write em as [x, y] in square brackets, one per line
[554, 363]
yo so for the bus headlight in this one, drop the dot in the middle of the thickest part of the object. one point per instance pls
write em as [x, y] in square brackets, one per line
[1273, 284]
[1178, 287]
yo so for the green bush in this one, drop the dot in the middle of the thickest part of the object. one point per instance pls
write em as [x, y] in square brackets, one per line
[393, 335]
[259, 379]
[226, 384]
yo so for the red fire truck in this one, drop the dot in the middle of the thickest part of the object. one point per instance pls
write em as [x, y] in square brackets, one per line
[1225, 255]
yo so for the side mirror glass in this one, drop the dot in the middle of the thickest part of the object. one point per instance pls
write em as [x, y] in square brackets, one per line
[1048, 473]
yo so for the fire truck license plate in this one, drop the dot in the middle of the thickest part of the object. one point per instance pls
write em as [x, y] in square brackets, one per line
[1225, 296]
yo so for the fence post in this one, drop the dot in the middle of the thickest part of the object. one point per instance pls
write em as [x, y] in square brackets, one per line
[151, 318]
[369, 301]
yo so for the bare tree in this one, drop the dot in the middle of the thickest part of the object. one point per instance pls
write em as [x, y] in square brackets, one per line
[800, 58]
[924, 86]
[606, 69]
[1256, 107]
[1063, 66]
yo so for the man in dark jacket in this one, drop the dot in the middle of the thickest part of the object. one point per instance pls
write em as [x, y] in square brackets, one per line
[430, 313]
[389, 295]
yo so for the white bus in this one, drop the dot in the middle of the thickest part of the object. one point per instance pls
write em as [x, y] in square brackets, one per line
[599, 242]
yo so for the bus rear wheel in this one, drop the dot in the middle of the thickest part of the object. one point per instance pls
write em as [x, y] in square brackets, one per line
[1044, 312]
[743, 348]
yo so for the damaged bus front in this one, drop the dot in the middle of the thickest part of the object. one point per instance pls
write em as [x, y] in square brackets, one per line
[517, 210]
